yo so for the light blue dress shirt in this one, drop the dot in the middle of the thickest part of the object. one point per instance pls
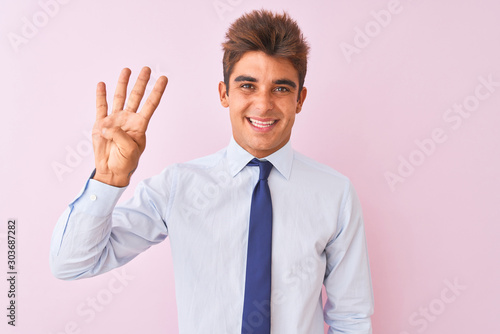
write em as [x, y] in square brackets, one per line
[204, 208]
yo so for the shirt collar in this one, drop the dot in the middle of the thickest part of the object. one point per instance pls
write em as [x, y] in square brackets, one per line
[238, 158]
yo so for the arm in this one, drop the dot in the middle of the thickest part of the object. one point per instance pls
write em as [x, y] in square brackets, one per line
[91, 236]
[347, 278]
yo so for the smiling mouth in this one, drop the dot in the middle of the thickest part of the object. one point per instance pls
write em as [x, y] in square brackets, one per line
[260, 124]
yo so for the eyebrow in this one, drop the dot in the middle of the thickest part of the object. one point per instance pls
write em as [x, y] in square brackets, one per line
[285, 82]
[276, 82]
[245, 78]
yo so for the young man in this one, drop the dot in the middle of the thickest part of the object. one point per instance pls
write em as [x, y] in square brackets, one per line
[252, 256]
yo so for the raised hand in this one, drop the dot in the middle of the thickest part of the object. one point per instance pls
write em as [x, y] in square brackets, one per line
[120, 137]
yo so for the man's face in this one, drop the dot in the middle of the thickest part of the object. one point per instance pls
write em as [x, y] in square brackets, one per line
[263, 100]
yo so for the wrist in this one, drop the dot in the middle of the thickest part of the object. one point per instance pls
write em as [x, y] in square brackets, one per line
[111, 179]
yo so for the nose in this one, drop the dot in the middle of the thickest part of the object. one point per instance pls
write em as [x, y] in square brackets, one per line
[263, 101]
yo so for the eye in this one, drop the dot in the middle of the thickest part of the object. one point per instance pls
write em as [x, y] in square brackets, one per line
[282, 89]
[247, 86]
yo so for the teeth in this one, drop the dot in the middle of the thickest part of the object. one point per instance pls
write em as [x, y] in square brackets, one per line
[260, 124]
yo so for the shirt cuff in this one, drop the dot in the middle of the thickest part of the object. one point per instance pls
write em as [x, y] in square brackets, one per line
[97, 198]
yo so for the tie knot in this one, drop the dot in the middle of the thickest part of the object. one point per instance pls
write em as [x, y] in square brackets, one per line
[264, 166]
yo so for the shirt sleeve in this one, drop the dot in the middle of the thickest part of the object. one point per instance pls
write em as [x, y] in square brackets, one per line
[347, 281]
[94, 235]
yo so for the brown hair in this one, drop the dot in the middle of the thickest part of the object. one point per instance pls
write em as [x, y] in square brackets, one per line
[275, 34]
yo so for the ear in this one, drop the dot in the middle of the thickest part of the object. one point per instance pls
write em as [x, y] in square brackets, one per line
[301, 100]
[223, 95]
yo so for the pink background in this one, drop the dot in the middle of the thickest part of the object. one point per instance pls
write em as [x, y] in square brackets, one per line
[364, 115]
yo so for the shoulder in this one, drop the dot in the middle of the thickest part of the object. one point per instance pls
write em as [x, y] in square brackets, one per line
[196, 166]
[325, 182]
[304, 165]
[203, 163]
[203, 166]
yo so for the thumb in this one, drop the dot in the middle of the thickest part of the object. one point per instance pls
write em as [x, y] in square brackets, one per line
[125, 144]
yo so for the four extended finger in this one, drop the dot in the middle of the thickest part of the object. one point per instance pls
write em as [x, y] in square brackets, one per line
[154, 98]
[121, 90]
[138, 91]
[101, 103]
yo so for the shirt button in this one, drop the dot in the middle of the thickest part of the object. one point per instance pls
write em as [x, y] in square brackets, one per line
[93, 197]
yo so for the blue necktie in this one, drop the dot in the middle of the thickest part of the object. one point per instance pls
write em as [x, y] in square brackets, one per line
[257, 303]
